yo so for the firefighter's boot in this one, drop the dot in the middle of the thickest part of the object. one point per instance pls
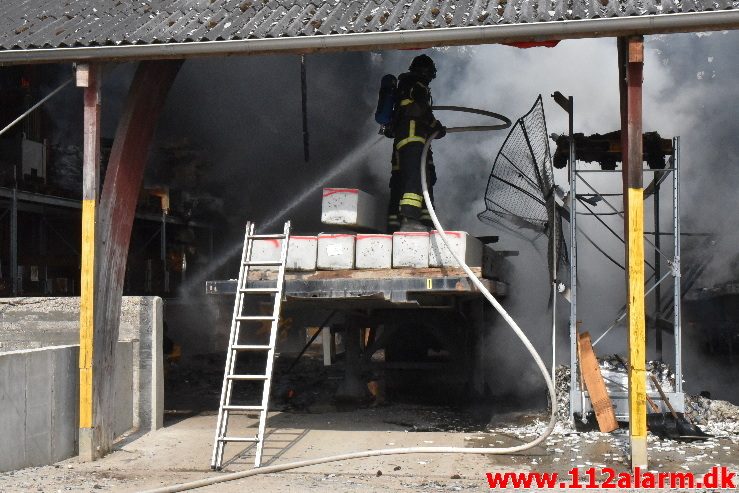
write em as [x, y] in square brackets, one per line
[408, 224]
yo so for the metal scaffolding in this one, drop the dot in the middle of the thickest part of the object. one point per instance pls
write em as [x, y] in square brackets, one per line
[577, 176]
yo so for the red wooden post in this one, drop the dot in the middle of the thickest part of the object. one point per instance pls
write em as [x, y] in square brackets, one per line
[116, 212]
[88, 77]
[631, 65]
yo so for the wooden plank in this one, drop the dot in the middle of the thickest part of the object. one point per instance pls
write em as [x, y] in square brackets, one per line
[636, 49]
[596, 386]
[430, 272]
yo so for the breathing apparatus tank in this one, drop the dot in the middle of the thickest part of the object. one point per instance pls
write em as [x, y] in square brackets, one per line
[386, 100]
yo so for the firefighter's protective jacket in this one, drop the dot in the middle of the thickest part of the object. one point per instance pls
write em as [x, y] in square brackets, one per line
[414, 120]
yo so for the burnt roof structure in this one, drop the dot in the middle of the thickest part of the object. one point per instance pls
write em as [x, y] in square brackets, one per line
[38, 30]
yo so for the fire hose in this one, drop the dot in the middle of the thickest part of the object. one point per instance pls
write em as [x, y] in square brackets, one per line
[498, 307]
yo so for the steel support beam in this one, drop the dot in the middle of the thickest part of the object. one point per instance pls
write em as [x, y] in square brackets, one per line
[14, 242]
[89, 77]
[115, 216]
[631, 65]
[657, 273]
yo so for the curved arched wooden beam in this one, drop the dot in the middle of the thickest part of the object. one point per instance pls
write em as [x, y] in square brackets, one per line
[116, 212]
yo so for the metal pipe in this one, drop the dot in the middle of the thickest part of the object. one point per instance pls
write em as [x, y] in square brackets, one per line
[304, 106]
[553, 233]
[623, 310]
[500, 33]
[603, 252]
[32, 108]
[618, 237]
[621, 214]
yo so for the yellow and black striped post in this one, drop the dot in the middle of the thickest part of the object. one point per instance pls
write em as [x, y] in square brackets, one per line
[631, 64]
[88, 77]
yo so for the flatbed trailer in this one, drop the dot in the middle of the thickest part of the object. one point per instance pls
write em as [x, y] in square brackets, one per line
[417, 318]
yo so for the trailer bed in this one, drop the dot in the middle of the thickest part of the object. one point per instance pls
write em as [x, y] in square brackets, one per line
[411, 286]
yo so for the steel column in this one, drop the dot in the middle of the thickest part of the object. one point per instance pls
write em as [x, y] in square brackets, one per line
[116, 212]
[631, 64]
[163, 252]
[657, 273]
[677, 293]
[14, 241]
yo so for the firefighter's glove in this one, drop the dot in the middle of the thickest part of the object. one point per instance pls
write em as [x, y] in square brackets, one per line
[441, 132]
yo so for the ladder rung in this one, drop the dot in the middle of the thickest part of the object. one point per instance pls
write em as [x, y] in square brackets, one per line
[253, 318]
[238, 439]
[232, 407]
[247, 377]
[251, 347]
[259, 290]
[276, 236]
[263, 262]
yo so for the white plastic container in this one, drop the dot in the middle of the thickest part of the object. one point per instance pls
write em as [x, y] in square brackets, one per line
[350, 207]
[302, 252]
[265, 250]
[466, 247]
[335, 251]
[411, 249]
[374, 251]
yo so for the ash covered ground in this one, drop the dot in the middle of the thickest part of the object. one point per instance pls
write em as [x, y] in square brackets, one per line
[308, 423]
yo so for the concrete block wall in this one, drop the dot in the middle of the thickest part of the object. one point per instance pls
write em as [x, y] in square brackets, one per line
[39, 403]
[38, 416]
[27, 323]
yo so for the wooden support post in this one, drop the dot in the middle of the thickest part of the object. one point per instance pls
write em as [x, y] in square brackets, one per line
[89, 77]
[115, 215]
[631, 64]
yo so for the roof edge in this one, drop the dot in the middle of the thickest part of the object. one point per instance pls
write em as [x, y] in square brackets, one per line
[421, 38]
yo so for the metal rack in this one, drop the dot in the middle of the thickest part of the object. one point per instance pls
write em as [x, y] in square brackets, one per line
[14, 200]
[578, 396]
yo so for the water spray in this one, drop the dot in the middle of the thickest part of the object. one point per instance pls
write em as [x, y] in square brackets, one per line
[498, 307]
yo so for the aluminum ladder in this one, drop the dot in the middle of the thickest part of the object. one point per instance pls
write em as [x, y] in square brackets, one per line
[235, 348]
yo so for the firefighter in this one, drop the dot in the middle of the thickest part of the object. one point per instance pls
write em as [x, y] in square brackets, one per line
[413, 123]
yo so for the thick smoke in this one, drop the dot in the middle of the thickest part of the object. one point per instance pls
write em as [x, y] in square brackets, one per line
[689, 91]
[243, 116]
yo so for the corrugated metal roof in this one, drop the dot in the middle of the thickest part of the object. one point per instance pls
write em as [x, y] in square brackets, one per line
[33, 24]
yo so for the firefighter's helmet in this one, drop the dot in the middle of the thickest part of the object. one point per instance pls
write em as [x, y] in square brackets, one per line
[424, 66]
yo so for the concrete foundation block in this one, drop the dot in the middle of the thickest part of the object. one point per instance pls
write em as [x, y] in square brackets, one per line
[351, 207]
[123, 381]
[302, 252]
[410, 249]
[374, 251]
[466, 247]
[65, 403]
[38, 406]
[39, 371]
[12, 411]
[269, 249]
[335, 251]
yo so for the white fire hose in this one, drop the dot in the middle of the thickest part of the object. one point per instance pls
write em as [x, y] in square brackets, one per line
[418, 450]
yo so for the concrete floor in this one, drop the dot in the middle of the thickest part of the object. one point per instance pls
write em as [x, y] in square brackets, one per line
[181, 452]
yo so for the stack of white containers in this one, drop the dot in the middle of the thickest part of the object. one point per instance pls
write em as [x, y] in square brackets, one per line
[350, 207]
